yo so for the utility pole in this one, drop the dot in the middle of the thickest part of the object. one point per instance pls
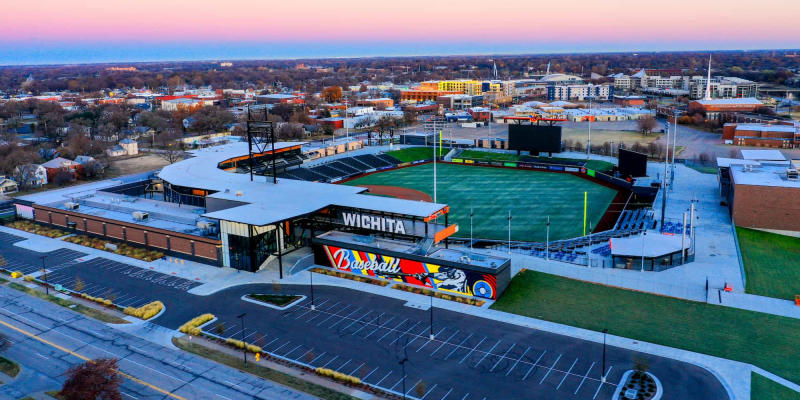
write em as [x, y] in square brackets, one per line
[471, 214]
[683, 237]
[643, 235]
[589, 140]
[244, 348]
[44, 270]
[431, 308]
[311, 278]
[674, 147]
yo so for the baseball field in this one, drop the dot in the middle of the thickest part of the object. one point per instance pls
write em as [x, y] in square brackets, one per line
[491, 192]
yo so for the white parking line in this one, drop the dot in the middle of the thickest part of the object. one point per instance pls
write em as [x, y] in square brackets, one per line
[417, 336]
[392, 330]
[364, 379]
[315, 359]
[465, 396]
[378, 318]
[330, 361]
[503, 357]
[414, 387]
[550, 369]
[292, 350]
[445, 342]
[270, 342]
[345, 318]
[567, 374]
[428, 392]
[534, 365]
[471, 351]
[334, 314]
[359, 319]
[345, 363]
[354, 371]
[445, 395]
[276, 350]
[404, 333]
[398, 382]
[584, 378]
[487, 353]
[429, 340]
[379, 327]
[458, 347]
[379, 382]
[304, 354]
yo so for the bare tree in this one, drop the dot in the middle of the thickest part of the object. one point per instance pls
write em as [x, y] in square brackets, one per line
[646, 124]
[96, 379]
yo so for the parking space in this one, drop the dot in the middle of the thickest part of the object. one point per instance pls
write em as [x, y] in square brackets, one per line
[551, 371]
[101, 277]
[28, 261]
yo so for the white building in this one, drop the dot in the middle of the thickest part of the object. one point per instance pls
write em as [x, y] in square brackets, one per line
[580, 92]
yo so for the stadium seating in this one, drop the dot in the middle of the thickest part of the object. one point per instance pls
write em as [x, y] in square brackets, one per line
[335, 169]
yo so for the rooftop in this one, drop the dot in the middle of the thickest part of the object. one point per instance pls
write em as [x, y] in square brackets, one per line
[653, 244]
[765, 174]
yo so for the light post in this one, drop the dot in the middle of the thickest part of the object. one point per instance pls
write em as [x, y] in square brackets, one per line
[431, 308]
[311, 279]
[44, 270]
[471, 214]
[643, 235]
[674, 146]
[589, 139]
[244, 348]
[509, 231]
[547, 240]
[603, 371]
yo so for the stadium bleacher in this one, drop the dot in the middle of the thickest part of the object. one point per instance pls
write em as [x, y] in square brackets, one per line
[336, 169]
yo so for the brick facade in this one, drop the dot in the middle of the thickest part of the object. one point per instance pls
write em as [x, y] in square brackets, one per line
[766, 207]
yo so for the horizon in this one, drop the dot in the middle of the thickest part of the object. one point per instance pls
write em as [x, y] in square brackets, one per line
[55, 32]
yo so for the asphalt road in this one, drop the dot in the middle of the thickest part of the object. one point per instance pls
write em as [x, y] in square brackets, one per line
[368, 335]
[47, 339]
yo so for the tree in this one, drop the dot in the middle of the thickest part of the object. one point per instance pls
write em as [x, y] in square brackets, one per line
[290, 130]
[62, 177]
[211, 119]
[646, 124]
[96, 379]
[332, 94]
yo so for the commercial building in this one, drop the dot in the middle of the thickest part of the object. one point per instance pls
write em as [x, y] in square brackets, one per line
[784, 136]
[460, 101]
[579, 92]
[422, 95]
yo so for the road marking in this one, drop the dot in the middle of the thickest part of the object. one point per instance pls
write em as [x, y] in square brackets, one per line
[404, 333]
[445, 342]
[458, 347]
[129, 395]
[473, 349]
[387, 375]
[503, 357]
[345, 363]
[417, 336]
[551, 368]
[534, 365]
[41, 356]
[334, 314]
[64, 349]
[487, 353]
[370, 323]
[379, 327]
[370, 373]
[465, 396]
[330, 361]
[290, 351]
[428, 392]
[398, 382]
[270, 342]
[304, 354]
[345, 318]
[391, 330]
[430, 340]
[414, 387]
[276, 350]
[315, 359]
[354, 371]
[445, 395]
[567, 374]
[584, 378]
[359, 319]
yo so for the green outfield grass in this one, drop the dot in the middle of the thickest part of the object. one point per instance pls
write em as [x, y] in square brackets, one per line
[598, 165]
[416, 153]
[765, 340]
[771, 263]
[492, 192]
[762, 388]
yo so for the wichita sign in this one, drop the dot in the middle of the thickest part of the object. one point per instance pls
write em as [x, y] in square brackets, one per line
[374, 222]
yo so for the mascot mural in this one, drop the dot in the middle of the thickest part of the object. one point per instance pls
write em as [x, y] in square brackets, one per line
[444, 278]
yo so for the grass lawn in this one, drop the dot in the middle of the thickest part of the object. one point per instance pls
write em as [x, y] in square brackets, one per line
[279, 300]
[770, 263]
[762, 388]
[598, 165]
[88, 311]
[765, 340]
[492, 192]
[260, 371]
[9, 367]
[416, 153]
[599, 136]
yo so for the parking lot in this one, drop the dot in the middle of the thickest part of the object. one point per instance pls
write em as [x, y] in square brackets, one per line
[375, 338]
[28, 262]
[101, 277]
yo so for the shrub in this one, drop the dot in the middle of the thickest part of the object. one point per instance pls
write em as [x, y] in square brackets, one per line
[28, 278]
[16, 274]
[192, 327]
[146, 311]
[338, 376]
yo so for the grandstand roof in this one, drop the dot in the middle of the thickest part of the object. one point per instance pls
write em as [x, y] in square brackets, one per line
[268, 203]
[653, 245]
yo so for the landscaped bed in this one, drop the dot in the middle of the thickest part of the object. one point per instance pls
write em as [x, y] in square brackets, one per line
[352, 277]
[37, 229]
[639, 382]
[439, 295]
[9, 367]
[278, 300]
[123, 249]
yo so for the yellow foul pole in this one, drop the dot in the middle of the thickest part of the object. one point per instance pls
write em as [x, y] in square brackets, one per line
[585, 198]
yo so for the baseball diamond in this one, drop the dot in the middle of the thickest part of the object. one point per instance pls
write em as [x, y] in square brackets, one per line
[490, 192]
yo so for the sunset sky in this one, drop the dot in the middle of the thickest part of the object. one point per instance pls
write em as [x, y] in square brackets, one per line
[57, 31]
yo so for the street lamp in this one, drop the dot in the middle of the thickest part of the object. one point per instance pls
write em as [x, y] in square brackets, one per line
[311, 278]
[431, 308]
[603, 371]
[244, 348]
[46, 285]
[643, 235]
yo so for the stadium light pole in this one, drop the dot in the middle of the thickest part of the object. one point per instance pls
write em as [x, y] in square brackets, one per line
[434, 163]
[643, 235]
[674, 147]
[431, 308]
[589, 139]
